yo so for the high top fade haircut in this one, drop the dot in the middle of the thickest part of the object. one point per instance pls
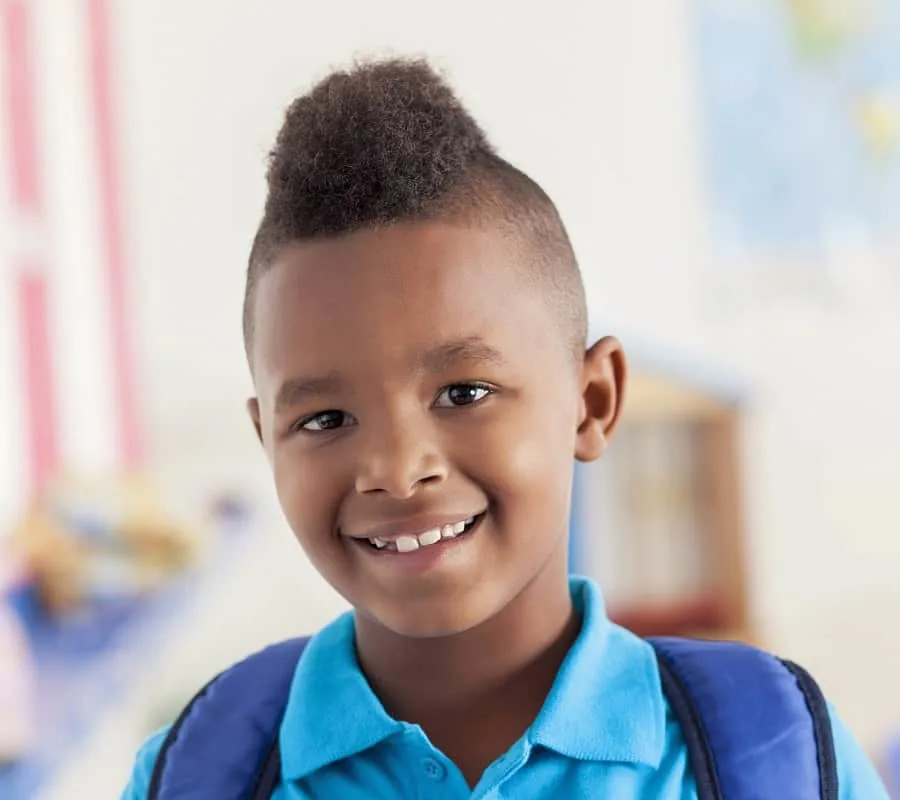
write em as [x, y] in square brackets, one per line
[389, 142]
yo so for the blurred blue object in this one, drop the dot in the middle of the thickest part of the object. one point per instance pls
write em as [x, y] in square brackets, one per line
[892, 768]
[801, 112]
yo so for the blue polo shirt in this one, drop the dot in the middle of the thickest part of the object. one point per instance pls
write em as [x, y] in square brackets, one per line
[605, 730]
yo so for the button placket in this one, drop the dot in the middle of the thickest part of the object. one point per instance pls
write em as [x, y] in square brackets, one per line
[433, 769]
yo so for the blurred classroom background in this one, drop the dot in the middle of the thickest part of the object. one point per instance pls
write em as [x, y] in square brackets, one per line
[729, 171]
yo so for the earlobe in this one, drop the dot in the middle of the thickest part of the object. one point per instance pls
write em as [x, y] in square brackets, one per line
[604, 375]
[253, 411]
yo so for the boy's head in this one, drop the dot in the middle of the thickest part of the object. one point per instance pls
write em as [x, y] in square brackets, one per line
[415, 322]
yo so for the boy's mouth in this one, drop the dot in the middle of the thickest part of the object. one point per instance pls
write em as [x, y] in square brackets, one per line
[408, 543]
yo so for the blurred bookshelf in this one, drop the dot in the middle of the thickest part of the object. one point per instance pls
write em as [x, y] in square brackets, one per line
[659, 519]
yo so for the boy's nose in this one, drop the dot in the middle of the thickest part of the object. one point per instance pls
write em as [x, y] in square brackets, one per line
[399, 463]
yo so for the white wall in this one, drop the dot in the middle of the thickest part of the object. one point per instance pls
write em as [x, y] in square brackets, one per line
[824, 467]
[596, 101]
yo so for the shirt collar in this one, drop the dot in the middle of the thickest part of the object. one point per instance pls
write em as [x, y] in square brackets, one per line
[332, 712]
[606, 703]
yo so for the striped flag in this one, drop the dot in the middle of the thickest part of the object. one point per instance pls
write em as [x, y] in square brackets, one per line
[67, 396]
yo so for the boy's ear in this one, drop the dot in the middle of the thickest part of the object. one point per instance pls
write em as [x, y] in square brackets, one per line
[603, 378]
[253, 411]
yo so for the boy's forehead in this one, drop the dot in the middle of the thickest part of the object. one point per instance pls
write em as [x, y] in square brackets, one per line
[404, 257]
[395, 294]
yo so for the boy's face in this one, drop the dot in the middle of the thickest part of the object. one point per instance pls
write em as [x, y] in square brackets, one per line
[412, 381]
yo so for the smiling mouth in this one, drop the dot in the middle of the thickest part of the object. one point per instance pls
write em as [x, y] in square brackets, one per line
[409, 543]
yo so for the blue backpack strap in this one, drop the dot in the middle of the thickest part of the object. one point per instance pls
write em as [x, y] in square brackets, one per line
[221, 746]
[755, 727]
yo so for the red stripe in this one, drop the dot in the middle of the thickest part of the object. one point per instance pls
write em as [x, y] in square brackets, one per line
[38, 377]
[38, 398]
[127, 423]
[23, 166]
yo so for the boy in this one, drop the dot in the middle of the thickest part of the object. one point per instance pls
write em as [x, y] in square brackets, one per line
[415, 325]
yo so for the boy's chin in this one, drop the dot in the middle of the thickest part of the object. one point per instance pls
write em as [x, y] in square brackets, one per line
[426, 624]
[420, 626]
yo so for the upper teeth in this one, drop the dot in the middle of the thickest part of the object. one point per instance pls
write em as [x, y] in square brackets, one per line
[407, 543]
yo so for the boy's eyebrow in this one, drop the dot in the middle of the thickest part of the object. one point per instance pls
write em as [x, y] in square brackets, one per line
[297, 390]
[473, 348]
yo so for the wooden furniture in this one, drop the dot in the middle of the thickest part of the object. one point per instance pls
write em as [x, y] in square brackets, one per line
[659, 519]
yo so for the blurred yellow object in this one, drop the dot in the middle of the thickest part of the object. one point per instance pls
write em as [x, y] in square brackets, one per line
[55, 559]
[823, 27]
[879, 119]
[96, 539]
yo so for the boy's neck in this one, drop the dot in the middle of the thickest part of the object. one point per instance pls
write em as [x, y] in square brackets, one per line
[475, 693]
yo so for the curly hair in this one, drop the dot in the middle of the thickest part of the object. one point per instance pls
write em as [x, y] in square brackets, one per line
[388, 142]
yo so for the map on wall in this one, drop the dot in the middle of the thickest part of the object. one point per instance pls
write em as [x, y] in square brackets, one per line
[800, 109]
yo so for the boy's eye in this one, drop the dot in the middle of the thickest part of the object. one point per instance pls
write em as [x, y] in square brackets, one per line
[325, 421]
[462, 394]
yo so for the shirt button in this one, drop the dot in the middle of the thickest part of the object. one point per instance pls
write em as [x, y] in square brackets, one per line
[433, 769]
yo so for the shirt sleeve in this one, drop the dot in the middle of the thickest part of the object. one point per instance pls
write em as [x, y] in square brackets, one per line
[139, 784]
[857, 778]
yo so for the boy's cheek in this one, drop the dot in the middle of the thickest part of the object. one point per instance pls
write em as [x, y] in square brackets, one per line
[525, 448]
[308, 498]
[529, 476]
